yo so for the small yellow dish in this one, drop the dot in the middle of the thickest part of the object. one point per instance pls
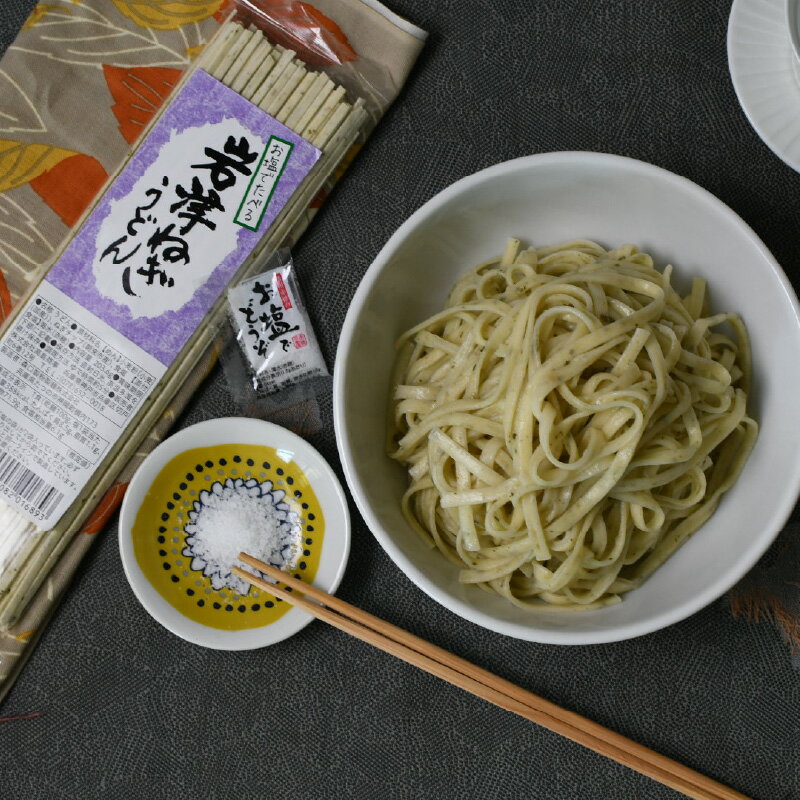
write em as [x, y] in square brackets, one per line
[209, 492]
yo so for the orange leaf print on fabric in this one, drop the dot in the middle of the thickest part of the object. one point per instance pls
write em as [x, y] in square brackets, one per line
[222, 12]
[319, 198]
[70, 186]
[138, 93]
[107, 506]
[20, 162]
[167, 15]
[757, 603]
[5, 299]
[301, 27]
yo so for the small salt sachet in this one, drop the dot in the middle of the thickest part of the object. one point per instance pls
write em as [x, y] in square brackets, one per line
[273, 330]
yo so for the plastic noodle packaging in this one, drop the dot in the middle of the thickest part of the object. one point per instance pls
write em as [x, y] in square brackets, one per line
[99, 346]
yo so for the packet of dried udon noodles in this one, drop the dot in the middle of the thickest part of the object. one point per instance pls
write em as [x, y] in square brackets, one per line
[96, 350]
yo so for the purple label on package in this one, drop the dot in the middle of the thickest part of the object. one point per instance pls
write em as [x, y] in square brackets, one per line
[182, 216]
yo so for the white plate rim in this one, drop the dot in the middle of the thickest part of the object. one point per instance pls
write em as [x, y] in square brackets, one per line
[780, 58]
[679, 611]
[336, 547]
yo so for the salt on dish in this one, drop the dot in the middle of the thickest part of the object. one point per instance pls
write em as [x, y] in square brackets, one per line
[241, 516]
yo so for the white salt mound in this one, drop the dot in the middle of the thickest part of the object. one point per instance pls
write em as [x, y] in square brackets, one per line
[241, 516]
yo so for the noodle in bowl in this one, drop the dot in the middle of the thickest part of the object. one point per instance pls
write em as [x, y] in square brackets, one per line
[568, 421]
[622, 412]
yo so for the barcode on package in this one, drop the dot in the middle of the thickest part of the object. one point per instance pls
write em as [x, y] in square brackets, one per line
[29, 488]
[69, 384]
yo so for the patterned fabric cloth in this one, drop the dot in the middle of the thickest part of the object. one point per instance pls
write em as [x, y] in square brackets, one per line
[77, 87]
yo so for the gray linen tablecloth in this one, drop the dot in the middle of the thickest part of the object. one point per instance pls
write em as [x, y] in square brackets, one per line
[132, 711]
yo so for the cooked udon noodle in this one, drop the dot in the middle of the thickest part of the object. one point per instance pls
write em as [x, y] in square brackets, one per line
[568, 421]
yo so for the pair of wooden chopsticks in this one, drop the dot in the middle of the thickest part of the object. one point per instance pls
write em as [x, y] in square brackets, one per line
[484, 684]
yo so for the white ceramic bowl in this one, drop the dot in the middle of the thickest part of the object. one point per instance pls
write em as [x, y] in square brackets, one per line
[792, 10]
[545, 199]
